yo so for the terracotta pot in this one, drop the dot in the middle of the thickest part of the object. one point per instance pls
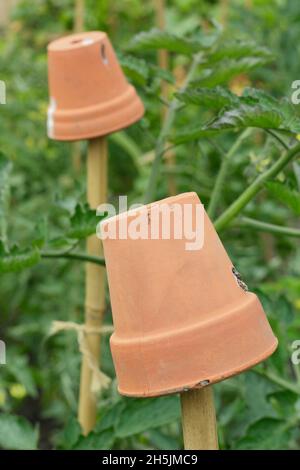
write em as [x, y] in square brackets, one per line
[182, 318]
[89, 94]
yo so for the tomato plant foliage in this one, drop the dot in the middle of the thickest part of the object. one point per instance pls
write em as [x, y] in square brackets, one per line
[230, 122]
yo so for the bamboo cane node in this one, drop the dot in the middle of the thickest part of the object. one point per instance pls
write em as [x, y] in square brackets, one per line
[94, 314]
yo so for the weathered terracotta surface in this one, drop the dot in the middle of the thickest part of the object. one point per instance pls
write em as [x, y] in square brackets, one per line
[89, 94]
[181, 318]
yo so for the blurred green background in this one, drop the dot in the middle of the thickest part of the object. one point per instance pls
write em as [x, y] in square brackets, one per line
[39, 384]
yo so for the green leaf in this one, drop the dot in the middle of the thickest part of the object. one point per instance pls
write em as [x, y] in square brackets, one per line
[189, 133]
[83, 222]
[61, 243]
[239, 50]
[266, 434]
[162, 441]
[254, 109]
[209, 98]
[285, 403]
[71, 434]
[284, 194]
[258, 109]
[247, 116]
[111, 417]
[257, 96]
[158, 72]
[40, 232]
[284, 310]
[149, 413]
[5, 171]
[265, 299]
[96, 441]
[16, 433]
[17, 260]
[135, 69]
[157, 39]
[257, 390]
[140, 72]
[19, 367]
[227, 70]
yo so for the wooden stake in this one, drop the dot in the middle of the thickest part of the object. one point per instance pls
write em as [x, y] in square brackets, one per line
[95, 280]
[79, 16]
[163, 62]
[163, 56]
[199, 419]
[5, 11]
[224, 12]
[78, 28]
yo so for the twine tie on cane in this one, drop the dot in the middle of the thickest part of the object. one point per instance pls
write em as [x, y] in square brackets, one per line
[99, 379]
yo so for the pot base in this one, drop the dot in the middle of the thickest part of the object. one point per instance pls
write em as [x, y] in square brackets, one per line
[98, 120]
[173, 362]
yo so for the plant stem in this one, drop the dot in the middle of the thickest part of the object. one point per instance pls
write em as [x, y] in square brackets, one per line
[278, 380]
[78, 256]
[223, 172]
[279, 139]
[296, 369]
[128, 145]
[165, 130]
[271, 228]
[238, 205]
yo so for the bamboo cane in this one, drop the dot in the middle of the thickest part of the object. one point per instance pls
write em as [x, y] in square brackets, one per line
[163, 56]
[163, 62]
[78, 28]
[224, 12]
[79, 16]
[95, 280]
[5, 11]
[199, 419]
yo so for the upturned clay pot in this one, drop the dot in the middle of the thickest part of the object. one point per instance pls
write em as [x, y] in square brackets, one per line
[183, 318]
[89, 94]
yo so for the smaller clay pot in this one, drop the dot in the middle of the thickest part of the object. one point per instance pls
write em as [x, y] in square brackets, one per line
[182, 318]
[89, 94]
